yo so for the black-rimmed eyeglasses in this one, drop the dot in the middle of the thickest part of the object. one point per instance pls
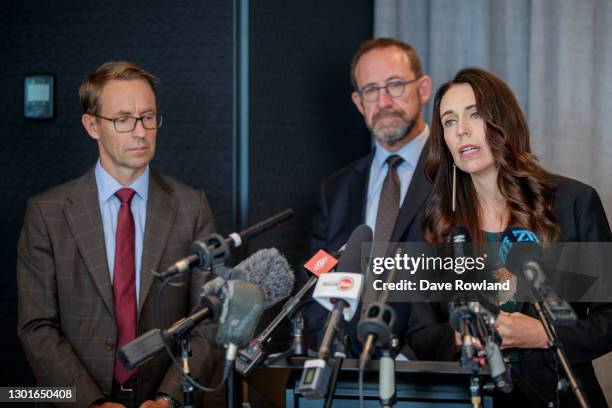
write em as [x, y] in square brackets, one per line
[124, 124]
[394, 89]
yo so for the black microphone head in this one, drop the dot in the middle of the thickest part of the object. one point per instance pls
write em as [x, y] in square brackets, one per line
[460, 241]
[470, 303]
[269, 269]
[351, 260]
[515, 256]
[533, 272]
[460, 234]
[457, 312]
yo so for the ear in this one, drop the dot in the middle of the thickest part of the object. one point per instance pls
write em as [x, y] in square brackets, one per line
[91, 125]
[358, 103]
[424, 88]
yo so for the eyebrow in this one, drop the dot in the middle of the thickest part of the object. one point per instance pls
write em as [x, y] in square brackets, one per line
[448, 112]
[392, 78]
[128, 113]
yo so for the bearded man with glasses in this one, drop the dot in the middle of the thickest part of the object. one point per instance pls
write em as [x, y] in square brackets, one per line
[87, 249]
[387, 188]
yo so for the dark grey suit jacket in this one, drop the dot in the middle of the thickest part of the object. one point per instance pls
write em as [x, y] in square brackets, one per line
[66, 317]
[342, 208]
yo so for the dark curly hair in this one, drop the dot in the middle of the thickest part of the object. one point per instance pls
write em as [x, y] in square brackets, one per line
[521, 179]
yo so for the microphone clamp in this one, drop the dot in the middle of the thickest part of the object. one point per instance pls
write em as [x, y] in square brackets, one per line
[378, 320]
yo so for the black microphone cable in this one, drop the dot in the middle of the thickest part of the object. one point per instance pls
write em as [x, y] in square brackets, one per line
[227, 368]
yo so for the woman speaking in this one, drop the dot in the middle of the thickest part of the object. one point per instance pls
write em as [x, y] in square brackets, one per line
[485, 179]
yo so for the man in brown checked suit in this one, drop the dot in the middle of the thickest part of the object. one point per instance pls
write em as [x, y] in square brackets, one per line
[87, 248]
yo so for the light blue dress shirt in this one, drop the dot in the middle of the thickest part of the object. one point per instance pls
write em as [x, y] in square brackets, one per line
[109, 209]
[378, 171]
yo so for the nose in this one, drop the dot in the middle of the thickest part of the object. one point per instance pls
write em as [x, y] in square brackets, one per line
[139, 130]
[463, 128]
[384, 99]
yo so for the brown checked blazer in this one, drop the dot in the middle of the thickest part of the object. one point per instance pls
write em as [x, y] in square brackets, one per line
[66, 317]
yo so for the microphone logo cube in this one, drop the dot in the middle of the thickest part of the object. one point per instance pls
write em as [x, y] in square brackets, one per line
[321, 263]
[339, 285]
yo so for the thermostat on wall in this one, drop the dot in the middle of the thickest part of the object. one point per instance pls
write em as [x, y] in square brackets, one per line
[38, 96]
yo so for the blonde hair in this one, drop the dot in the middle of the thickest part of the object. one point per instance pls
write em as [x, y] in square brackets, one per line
[91, 88]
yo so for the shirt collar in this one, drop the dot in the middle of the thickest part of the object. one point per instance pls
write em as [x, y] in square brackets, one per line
[108, 185]
[410, 153]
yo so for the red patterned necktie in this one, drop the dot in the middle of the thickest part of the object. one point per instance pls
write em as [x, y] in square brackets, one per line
[124, 280]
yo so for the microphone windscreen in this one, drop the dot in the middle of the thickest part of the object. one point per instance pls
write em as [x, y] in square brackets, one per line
[269, 269]
[351, 260]
[517, 246]
[242, 310]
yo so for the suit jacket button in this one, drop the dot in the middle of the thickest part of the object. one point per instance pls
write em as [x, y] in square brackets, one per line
[109, 345]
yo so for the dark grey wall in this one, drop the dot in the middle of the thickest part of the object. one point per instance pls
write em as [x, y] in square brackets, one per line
[304, 126]
[187, 44]
[302, 123]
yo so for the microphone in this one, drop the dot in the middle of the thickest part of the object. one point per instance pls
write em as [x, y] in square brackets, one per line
[269, 269]
[215, 249]
[338, 292]
[145, 347]
[242, 309]
[464, 315]
[499, 372]
[376, 325]
[559, 311]
[528, 248]
[525, 259]
[251, 356]
[461, 317]
[375, 328]
[463, 320]
[266, 271]
[460, 236]
[266, 268]
[485, 313]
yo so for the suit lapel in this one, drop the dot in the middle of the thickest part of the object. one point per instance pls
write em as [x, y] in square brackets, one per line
[161, 211]
[82, 213]
[358, 193]
[417, 192]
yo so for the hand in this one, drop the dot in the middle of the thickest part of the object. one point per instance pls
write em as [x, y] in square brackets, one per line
[158, 403]
[521, 331]
[106, 404]
[459, 342]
